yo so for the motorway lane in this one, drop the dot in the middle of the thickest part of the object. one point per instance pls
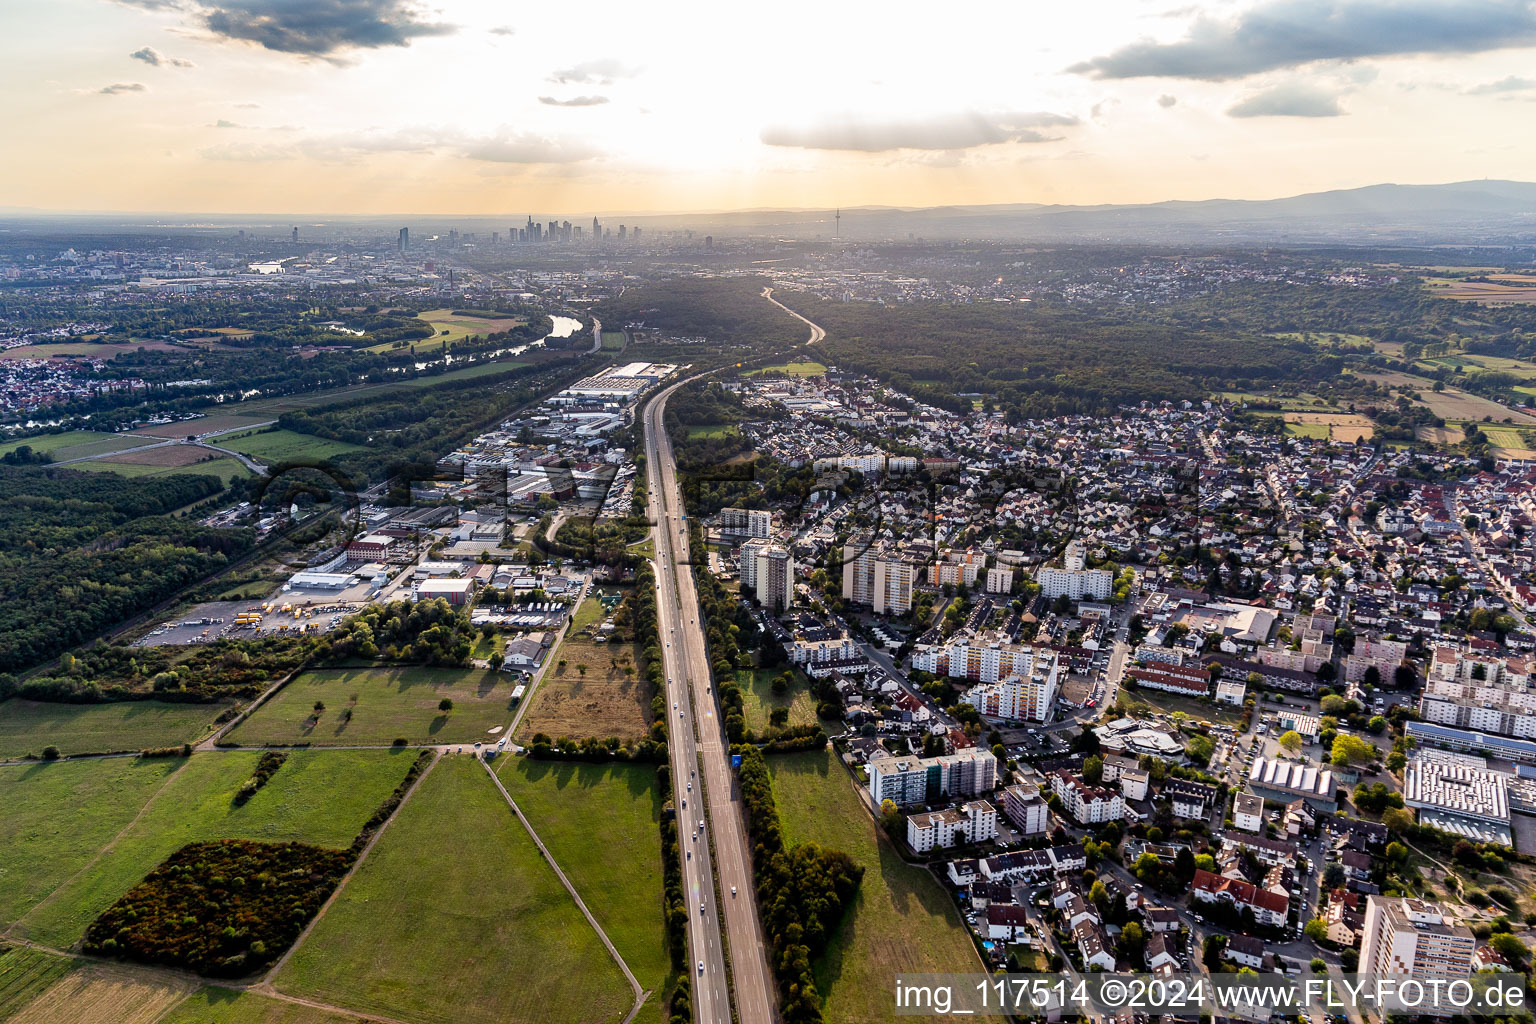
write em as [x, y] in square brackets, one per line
[690, 699]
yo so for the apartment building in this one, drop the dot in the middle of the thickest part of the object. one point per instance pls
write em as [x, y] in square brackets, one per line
[875, 576]
[1015, 699]
[973, 822]
[1191, 680]
[999, 580]
[1024, 806]
[922, 780]
[1415, 937]
[1088, 805]
[751, 522]
[1482, 693]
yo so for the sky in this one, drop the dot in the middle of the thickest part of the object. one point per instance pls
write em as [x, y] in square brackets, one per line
[468, 107]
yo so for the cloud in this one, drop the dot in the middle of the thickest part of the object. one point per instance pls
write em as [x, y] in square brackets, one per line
[574, 101]
[1286, 33]
[1503, 85]
[248, 106]
[594, 72]
[319, 28]
[1165, 101]
[154, 58]
[117, 88]
[503, 30]
[1290, 100]
[221, 123]
[502, 147]
[941, 132]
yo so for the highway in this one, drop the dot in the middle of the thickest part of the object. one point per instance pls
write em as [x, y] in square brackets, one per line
[697, 745]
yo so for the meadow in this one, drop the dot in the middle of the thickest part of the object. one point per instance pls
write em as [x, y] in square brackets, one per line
[76, 444]
[27, 726]
[491, 933]
[319, 798]
[214, 1005]
[902, 920]
[758, 699]
[579, 808]
[26, 974]
[226, 468]
[806, 368]
[386, 703]
[39, 847]
[285, 445]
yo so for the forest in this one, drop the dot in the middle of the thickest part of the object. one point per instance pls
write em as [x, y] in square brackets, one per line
[729, 313]
[802, 891]
[422, 632]
[81, 551]
[224, 669]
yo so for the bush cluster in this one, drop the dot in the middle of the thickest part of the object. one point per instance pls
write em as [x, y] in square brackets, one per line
[266, 767]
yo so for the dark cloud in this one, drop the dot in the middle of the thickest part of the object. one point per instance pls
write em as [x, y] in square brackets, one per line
[1292, 100]
[1503, 85]
[574, 101]
[594, 72]
[1285, 33]
[320, 28]
[154, 58]
[942, 132]
[1165, 101]
[118, 88]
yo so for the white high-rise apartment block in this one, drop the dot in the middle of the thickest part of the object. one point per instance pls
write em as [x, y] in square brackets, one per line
[748, 563]
[1414, 937]
[999, 580]
[775, 578]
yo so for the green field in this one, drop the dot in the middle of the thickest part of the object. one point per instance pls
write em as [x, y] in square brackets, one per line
[901, 919]
[389, 703]
[320, 798]
[455, 918]
[41, 847]
[613, 341]
[807, 368]
[226, 468]
[714, 430]
[280, 445]
[27, 726]
[578, 808]
[214, 1005]
[26, 974]
[76, 444]
[1157, 700]
[758, 698]
[1316, 431]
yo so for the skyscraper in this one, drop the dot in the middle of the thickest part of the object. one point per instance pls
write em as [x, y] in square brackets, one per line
[622, 231]
[597, 231]
[295, 235]
[405, 239]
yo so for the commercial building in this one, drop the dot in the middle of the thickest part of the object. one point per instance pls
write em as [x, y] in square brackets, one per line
[455, 592]
[1458, 794]
[1447, 738]
[922, 780]
[1285, 781]
[1414, 937]
[973, 822]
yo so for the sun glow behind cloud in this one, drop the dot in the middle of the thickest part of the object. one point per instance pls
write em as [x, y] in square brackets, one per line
[388, 105]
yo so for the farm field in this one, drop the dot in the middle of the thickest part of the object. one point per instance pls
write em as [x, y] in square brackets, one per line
[576, 808]
[806, 368]
[1316, 431]
[602, 701]
[319, 798]
[176, 455]
[214, 1005]
[1336, 425]
[203, 425]
[105, 994]
[1456, 404]
[452, 328]
[1513, 441]
[27, 726]
[901, 919]
[491, 933]
[1497, 364]
[758, 698]
[87, 349]
[25, 974]
[1511, 289]
[40, 848]
[224, 467]
[280, 445]
[1440, 435]
[75, 444]
[389, 703]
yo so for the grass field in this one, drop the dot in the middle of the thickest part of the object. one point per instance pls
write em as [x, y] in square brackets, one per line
[604, 701]
[1218, 714]
[205, 424]
[226, 468]
[1504, 293]
[758, 698]
[807, 368]
[105, 994]
[613, 341]
[1316, 431]
[26, 726]
[87, 349]
[280, 445]
[74, 444]
[576, 808]
[214, 1005]
[177, 455]
[26, 974]
[901, 919]
[319, 798]
[40, 847]
[714, 430]
[455, 918]
[390, 703]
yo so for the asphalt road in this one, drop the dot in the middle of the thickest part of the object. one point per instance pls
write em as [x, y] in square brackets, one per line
[699, 756]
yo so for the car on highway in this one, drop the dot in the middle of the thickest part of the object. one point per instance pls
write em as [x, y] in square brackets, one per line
[701, 966]
[701, 910]
[701, 824]
[733, 890]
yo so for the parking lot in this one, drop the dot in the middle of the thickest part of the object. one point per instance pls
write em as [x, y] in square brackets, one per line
[214, 619]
